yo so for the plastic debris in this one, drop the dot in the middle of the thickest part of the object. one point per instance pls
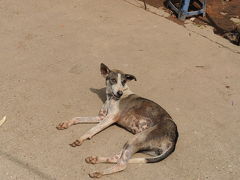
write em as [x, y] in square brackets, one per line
[3, 120]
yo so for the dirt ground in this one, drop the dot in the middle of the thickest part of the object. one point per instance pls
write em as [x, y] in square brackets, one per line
[50, 53]
[218, 14]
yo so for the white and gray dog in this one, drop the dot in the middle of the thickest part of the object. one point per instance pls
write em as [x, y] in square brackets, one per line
[155, 132]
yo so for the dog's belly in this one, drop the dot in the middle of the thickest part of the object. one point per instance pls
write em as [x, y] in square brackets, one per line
[134, 123]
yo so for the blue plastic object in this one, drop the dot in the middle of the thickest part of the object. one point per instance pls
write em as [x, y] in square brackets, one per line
[184, 12]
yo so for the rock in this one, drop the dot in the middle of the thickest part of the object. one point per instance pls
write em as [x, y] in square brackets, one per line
[235, 20]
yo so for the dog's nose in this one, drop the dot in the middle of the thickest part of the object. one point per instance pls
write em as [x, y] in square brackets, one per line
[119, 93]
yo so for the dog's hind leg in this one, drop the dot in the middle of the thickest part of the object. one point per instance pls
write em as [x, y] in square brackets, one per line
[131, 147]
[161, 140]
[120, 166]
[98, 159]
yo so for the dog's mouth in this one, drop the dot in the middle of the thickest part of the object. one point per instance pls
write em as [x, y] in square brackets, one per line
[116, 96]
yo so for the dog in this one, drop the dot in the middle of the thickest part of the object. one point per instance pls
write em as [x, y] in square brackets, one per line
[155, 133]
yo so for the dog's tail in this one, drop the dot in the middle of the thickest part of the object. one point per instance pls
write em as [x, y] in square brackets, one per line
[154, 159]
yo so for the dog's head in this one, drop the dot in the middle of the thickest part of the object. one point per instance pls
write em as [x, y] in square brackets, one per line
[116, 81]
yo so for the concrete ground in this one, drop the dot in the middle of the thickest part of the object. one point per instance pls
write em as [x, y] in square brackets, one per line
[50, 53]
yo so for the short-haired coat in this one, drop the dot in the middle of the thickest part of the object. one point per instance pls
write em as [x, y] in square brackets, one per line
[155, 133]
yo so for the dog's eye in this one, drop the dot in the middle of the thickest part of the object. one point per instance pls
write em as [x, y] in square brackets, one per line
[113, 81]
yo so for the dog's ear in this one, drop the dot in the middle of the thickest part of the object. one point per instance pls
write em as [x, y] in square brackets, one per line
[104, 70]
[130, 77]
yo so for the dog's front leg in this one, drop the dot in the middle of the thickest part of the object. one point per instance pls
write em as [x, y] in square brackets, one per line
[79, 120]
[107, 121]
[84, 120]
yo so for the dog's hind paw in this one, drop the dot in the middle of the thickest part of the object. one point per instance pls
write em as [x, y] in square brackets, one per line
[96, 175]
[91, 160]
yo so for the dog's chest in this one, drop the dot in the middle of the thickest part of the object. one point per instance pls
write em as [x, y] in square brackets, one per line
[111, 107]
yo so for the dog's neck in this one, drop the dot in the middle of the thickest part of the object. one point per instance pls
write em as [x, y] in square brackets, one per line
[126, 92]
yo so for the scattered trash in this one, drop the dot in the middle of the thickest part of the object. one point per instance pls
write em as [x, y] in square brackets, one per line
[3, 120]
[233, 36]
[223, 13]
[192, 19]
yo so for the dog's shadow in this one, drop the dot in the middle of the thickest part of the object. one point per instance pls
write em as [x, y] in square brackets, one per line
[100, 92]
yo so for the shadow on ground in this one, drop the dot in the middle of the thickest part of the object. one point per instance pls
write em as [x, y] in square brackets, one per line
[100, 92]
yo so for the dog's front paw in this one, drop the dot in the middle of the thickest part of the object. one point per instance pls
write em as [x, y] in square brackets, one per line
[91, 160]
[96, 175]
[76, 143]
[63, 125]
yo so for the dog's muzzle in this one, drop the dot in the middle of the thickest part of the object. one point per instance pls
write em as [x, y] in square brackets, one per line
[118, 95]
